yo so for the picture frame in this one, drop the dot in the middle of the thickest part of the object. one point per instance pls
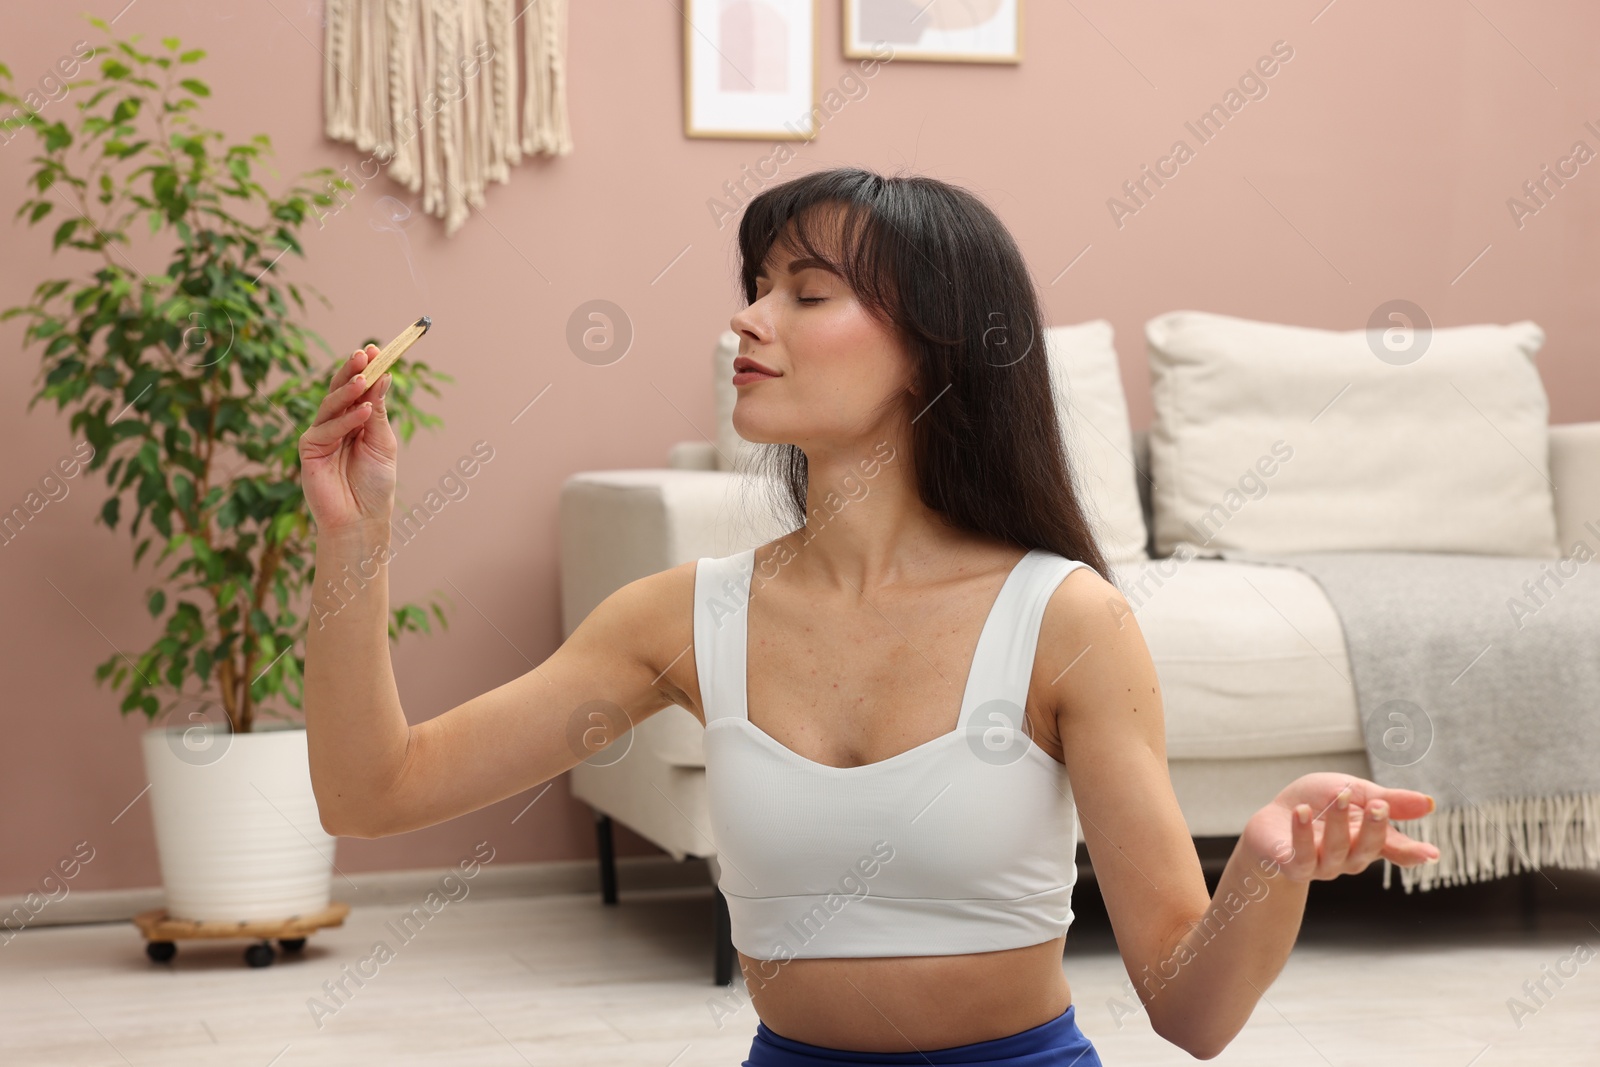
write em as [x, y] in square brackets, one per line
[750, 69]
[995, 39]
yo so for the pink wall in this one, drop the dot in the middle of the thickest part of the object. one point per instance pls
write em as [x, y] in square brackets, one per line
[1377, 166]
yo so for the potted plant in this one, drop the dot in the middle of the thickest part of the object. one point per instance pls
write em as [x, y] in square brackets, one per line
[191, 386]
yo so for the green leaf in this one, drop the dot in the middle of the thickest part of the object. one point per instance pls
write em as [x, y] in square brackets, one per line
[195, 86]
[56, 137]
[194, 55]
[64, 233]
[49, 290]
[110, 511]
[183, 490]
[40, 210]
[158, 603]
[172, 43]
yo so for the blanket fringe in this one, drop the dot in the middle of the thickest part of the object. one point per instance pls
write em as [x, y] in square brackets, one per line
[1480, 842]
[394, 71]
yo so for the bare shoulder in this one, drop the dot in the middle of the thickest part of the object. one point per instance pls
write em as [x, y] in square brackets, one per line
[1089, 624]
[1082, 602]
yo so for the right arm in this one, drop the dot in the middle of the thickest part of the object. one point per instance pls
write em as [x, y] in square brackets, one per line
[373, 774]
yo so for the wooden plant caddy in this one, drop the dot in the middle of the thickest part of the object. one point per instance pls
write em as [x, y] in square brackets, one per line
[160, 932]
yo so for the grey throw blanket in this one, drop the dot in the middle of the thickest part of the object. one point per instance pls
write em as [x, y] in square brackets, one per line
[1478, 682]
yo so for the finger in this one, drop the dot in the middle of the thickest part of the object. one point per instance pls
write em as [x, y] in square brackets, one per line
[1303, 839]
[1403, 803]
[1336, 832]
[337, 402]
[358, 359]
[375, 395]
[323, 438]
[1408, 851]
[1372, 836]
[381, 404]
[1406, 803]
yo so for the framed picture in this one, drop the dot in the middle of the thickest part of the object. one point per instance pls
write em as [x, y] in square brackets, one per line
[750, 69]
[946, 31]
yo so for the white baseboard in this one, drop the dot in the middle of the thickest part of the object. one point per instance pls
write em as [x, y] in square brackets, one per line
[493, 882]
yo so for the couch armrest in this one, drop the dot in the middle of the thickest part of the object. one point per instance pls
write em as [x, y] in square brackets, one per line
[693, 456]
[1575, 470]
[620, 525]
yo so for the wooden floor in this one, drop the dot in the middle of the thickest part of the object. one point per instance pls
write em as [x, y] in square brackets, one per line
[1378, 977]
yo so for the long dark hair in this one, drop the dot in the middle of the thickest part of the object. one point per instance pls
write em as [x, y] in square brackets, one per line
[933, 263]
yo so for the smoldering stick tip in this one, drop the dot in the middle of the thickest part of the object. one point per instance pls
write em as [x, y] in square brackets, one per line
[425, 322]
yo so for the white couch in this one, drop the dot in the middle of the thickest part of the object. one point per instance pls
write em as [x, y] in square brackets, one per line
[1246, 653]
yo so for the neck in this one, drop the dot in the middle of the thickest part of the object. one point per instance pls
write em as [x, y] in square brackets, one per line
[866, 525]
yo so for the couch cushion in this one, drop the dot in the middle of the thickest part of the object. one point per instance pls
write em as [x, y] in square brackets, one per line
[1090, 405]
[1251, 658]
[1094, 420]
[1275, 438]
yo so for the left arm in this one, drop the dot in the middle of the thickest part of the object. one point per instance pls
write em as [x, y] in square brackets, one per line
[1198, 988]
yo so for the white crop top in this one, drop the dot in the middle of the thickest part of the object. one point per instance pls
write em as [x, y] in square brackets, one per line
[965, 843]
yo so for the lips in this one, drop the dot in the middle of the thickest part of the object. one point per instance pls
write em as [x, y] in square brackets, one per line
[744, 363]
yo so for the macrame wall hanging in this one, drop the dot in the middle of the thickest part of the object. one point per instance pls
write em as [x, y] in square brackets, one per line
[432, 88]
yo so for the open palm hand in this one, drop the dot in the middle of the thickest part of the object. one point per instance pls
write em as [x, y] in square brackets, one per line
[1349, 826]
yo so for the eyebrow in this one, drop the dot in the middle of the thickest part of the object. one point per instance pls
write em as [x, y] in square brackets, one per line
[803, 263]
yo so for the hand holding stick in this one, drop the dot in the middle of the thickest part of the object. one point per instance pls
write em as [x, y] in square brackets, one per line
[396, 348]
[348, 456]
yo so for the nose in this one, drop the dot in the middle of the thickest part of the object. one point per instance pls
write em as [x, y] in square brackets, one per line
[750, 322]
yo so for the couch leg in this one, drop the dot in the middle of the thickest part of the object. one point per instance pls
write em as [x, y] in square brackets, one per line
[608, 857]
[723, 968]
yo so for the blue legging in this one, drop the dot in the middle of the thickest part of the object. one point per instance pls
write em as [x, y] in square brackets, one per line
[1057, 1043]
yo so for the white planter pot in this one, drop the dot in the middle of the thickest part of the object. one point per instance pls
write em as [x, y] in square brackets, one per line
[236, 823]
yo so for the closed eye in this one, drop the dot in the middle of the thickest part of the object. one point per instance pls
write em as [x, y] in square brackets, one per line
[812, 299]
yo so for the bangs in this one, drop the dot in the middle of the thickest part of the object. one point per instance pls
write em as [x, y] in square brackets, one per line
[841, 226]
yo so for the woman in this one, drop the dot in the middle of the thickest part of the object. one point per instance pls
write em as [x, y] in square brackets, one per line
[899, 891]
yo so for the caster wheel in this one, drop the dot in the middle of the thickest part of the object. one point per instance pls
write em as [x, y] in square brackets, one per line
[259, 955]
[291, 944]
[160, 951]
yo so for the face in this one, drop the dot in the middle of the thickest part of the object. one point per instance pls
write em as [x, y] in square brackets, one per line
[839, 370]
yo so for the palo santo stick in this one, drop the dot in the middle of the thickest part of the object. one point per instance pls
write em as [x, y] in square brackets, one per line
[394, 350]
